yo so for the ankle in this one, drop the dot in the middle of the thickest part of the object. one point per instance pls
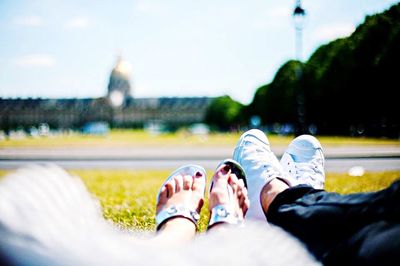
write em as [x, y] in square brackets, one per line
[176, 230]
[270, 191]
[178, 222]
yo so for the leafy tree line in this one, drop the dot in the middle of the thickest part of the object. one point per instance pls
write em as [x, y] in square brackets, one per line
[224, 113]
[348, 86]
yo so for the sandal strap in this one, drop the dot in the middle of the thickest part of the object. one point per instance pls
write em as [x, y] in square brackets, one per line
[224, 214]
[177, 211]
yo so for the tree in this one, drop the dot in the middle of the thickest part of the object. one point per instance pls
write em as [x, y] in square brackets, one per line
[350, 84]
[223, 113]
[276, 102]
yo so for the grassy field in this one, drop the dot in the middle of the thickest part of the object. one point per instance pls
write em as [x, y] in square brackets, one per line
[123, 138]
[128, 197]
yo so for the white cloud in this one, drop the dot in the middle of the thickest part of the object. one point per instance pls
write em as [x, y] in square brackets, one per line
[77, 23]
[29, 21]
[333, 31]
[35, 60]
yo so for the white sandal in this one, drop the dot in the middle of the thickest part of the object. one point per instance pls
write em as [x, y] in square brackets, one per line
[179, 210]
[226, 213]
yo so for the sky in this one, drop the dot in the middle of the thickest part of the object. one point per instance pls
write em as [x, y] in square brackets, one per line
[67, 49]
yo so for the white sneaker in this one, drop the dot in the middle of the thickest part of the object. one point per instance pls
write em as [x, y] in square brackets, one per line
[304, 162]
[261, 166]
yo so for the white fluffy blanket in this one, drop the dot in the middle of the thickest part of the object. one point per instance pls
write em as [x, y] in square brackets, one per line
[47, 217]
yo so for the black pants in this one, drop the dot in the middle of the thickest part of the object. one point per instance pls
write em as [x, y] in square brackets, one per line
[354, 229]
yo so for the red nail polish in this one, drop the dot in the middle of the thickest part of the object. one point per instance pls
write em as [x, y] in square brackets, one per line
[226, 168]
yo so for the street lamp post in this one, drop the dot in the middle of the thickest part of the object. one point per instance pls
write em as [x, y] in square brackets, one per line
[299, 15]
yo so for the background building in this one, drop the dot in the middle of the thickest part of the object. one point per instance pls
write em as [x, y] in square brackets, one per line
[118, 108]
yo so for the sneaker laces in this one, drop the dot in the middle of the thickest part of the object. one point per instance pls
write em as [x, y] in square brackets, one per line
[269, 169]
[262, 158]
[304, 171]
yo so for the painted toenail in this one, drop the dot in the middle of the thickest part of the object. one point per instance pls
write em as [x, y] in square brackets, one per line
[199, 174]
[226, 168]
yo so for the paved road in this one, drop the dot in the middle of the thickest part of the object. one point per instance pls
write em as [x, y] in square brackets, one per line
[332, 165]
[170, 152]
[339, 158]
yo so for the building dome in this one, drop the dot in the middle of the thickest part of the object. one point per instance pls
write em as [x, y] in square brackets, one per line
[122, 68]
[119, 86]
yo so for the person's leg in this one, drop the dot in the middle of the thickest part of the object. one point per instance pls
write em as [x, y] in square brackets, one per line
[261, 166]
[182, 192]
[302, 163]
[325, 220]
[228, 201]
[375, 244]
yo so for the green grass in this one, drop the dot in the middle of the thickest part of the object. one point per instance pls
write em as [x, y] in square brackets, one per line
[128, 197]
[124, 138]
[371, 181]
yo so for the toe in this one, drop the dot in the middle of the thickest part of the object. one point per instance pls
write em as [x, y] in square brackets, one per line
[233, 184]
[163, 197]
[242, 197]
[244, 201]
[246, 206]
[221, 175]
[170, 186]
[199, 183]
[234, 178]
[178, 183]
[241, 183]
[187, 182]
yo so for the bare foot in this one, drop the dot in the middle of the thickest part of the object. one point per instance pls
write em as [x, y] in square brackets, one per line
[181, 190]
[228, 190]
